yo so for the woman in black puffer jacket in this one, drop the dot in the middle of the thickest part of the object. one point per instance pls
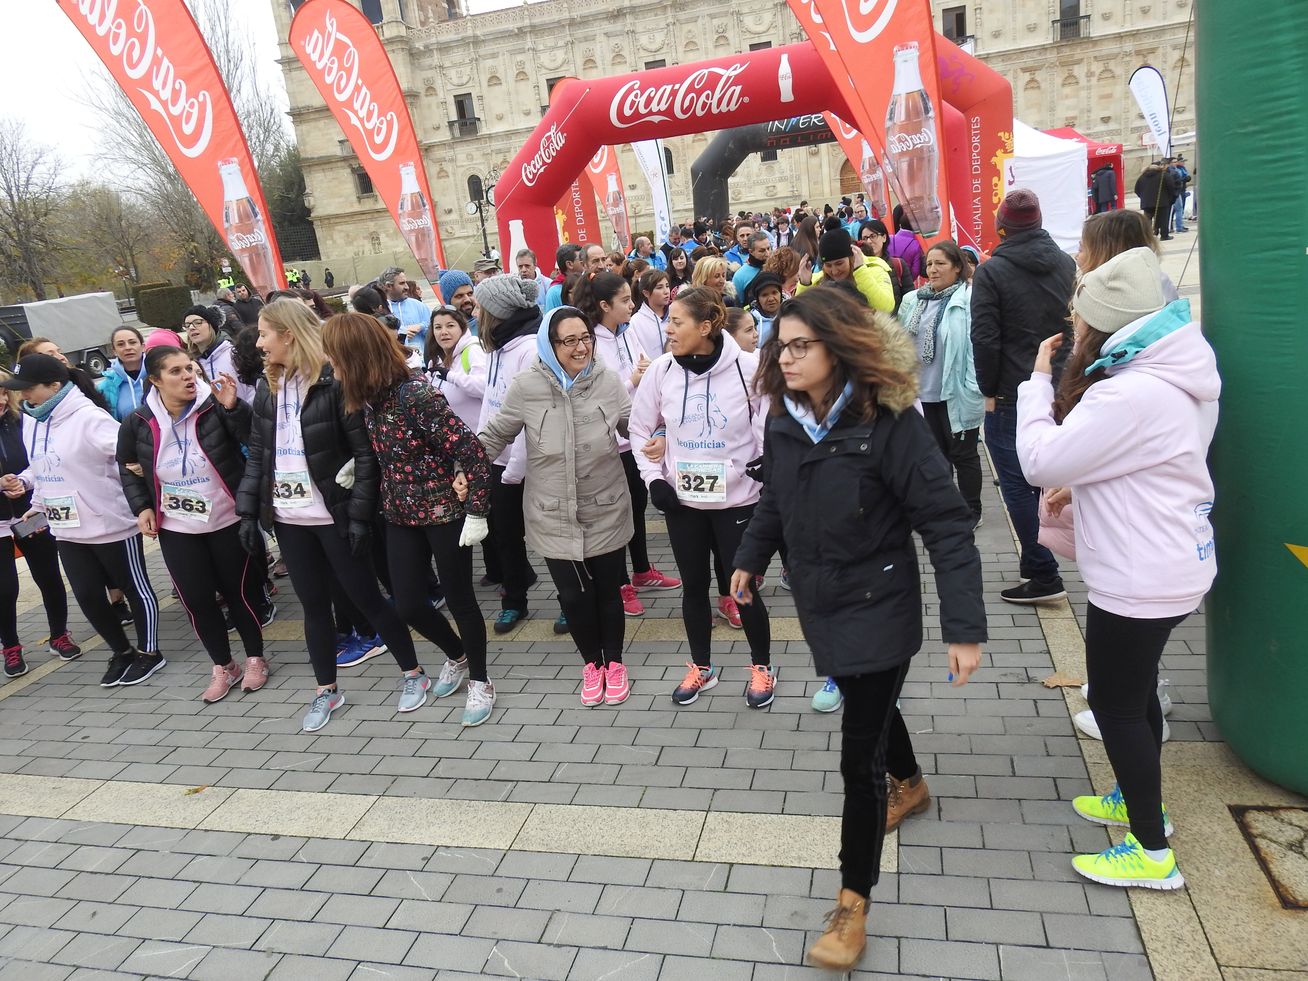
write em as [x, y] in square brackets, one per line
[297, 481]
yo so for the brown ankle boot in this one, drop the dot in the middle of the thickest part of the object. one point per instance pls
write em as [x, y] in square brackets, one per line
[905, 798]
[842, 945]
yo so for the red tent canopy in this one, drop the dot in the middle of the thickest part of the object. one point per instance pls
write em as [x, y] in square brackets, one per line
[1098, 154]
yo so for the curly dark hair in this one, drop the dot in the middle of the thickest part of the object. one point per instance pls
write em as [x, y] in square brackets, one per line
[247, 359]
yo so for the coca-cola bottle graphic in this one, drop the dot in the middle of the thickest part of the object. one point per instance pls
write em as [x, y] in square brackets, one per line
[786, 79]
[911, 149]
[616, 205]
[416, 224]
[517, 241]
[874, 183]
[244, 229]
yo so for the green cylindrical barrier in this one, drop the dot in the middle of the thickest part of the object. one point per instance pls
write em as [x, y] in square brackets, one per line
[1252, 61]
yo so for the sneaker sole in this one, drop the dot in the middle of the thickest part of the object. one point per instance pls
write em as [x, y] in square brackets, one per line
[597, 699]
[504, 628]
[115, 683]
[64, 657]
[1163, 885]
[1035, 600]
[214, 701]
[248, 690]
[760, 705]
[711, 683]
[481, 721]
[436, 693]
[402, 710]
[326, 718]
[629, 613]
[733, 626]
[560, 631]
[366, 656]
[617, 701]
[1169, 829]
[834, 708]
[145, 677]
[8, 674]
[653, 588]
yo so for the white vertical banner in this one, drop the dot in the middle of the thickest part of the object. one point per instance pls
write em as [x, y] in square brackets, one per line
[1151, 94]
[649, 155]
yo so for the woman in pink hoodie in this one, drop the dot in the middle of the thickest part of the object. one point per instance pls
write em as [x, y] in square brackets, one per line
[1128, 434]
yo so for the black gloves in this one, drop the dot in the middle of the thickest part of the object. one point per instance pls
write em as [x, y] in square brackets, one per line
[662, 496]
[360, 538]
[754, 469]
[251, 537]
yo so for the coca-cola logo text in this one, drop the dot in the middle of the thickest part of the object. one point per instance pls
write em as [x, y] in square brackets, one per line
[600, 162]
[188, 118]
[550, 145]
[903, 142]
[413, 224]
[240, 241]
[707, 92]
[340, 78]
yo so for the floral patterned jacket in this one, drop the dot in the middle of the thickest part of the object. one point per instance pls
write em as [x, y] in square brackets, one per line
[421, 445]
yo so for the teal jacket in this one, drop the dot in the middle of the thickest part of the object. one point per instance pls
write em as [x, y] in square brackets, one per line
[958, 387]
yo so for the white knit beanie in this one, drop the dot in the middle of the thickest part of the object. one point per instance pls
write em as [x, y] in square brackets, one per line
[502, 296]
[1121, 291]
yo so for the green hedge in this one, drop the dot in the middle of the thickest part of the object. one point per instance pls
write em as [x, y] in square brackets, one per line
[163, 306]
[136, 289]
[335, 303]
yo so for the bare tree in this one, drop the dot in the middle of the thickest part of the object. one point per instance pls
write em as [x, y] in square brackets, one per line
[110, 227]
[30, 181]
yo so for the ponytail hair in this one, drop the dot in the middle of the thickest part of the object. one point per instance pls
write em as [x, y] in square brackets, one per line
[704, 303]
[591, 291]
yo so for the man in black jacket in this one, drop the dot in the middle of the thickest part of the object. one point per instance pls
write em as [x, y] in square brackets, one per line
[1019, 297]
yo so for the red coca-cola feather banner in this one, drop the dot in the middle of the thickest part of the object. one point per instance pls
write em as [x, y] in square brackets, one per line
[156, 53]
[606, 177]
[344, 57]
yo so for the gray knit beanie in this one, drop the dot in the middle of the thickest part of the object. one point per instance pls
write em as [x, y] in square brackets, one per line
[1121, 291]
[502, 296]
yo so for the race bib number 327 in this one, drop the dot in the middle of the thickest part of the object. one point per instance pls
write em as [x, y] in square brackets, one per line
[702, 481]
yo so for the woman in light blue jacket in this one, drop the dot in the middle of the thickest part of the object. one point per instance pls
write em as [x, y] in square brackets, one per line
[939, 319]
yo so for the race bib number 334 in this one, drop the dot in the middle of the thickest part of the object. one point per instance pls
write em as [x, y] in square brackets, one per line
[292, 489]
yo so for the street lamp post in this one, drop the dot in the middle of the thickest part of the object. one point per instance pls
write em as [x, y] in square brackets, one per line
[481, 194]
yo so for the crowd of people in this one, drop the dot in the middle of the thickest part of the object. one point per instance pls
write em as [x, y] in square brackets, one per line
[807, 385]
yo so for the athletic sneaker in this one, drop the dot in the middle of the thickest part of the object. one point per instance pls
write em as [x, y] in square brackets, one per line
[349, 650]
[118, 665]
[15, 666]
[453, 675]
[785, 578]
[728, 610]
[222, 681]
[653, 579]
[1128, 864]
[269, 616]
[592, 684]
[1111, 809]
[373, 646]
[256, 674]
[1031, 592]
[828, 698]
[616, 686]
[560, 624]
[508, 619]
[481, 699]
[1085, 721]
[413, 691]
[63, 646]
[321, 709]
[142, 666]
[762, 686]
[1164, 699]
[124, 613]
[280, 571]
[631, 605]
[697, 680]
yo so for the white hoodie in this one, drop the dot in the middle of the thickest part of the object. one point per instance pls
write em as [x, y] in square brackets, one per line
[465, 383]
[619, 351]
[502, 367]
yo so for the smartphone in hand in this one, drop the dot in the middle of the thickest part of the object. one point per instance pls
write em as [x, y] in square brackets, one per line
[28, 528]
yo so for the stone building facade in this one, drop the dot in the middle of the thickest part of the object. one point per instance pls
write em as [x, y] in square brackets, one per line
[478, 85]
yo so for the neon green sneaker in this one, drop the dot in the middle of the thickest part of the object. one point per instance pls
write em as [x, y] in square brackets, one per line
[1111, 809]
[1128, 865]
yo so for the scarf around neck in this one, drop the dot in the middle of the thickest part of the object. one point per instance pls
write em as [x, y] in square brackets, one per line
[42, 412]
[816, 430]
[925, 296]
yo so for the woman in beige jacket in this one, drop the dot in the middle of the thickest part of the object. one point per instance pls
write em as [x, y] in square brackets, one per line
[576, 505]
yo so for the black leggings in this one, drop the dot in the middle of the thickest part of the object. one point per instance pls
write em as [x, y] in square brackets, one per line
[639, 500]
[695, 533]
[589, 593]
[316, 553]
[873, 741]
[42, 556]
[410, 551]
[93, 569]
[1121, 660]
[960, 450]
[510, 541]
[215, 563]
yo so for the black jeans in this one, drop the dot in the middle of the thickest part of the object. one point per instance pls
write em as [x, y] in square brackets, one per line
[873, 741]
[639, 501]
[506, 517]
[215, 563]
[411, 550]
[695, 534]
[960, 450]
[42, 556]
[92, 569]
[316, 553]
[1121, 661]
[1020, 498]
[589, 593]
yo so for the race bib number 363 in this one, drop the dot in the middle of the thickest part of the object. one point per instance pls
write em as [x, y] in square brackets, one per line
[702, 481]
[292, 489]
[179, 502]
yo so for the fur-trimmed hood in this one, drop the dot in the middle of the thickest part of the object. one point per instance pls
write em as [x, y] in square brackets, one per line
[901, 356]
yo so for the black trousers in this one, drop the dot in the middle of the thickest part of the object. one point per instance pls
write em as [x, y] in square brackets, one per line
[316, 553]
[960, 450]
[639, 501]
[696, 534]
[1121, 660]
[215, 563]
[93, 569]
[42, 556]
[410, 551]
[873, 741]
[506, 518]
[591, 598]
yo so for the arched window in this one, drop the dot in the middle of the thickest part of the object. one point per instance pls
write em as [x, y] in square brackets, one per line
[667, 162]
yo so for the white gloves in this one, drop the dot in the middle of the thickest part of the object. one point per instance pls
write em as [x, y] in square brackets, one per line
[345, 476]
[474, 530]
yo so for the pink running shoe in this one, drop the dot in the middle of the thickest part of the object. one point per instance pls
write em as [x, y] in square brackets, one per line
[616, 685]
[256, 674]
[592, 684]
[223, 680]
[653, 579]
[631, 605]
[728, 610]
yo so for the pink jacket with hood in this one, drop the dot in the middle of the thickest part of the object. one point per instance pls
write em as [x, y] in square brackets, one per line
[1134, 452]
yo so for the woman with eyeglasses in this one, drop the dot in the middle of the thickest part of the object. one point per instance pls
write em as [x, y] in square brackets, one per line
[212, 349]
[455, 363]
[700, 396]
[569, 406]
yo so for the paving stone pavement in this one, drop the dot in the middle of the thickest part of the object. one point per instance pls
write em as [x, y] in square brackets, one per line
[984, 887]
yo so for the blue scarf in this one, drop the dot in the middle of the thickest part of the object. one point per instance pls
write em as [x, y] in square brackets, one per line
[1122, 346]
[42, 412]
[545, 349]
[817, 431]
